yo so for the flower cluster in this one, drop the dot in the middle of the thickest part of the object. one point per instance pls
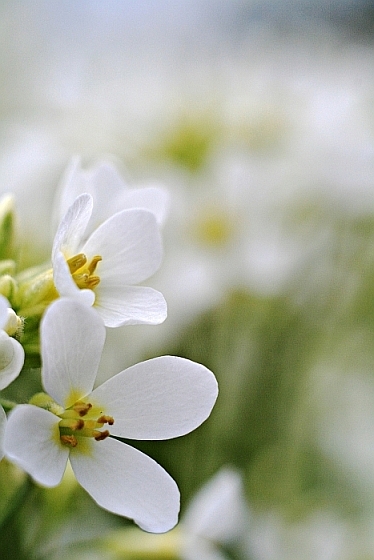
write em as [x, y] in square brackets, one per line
[107, 242]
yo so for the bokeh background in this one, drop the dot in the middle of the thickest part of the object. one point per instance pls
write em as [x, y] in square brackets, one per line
[258, 117]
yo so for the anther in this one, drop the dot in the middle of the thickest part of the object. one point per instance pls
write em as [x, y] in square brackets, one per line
[93, 264]
[99, 436]
[106, 420]
[71, 441]
[82, 408]
[76, 262]
[86, 281]
[92, 282]
[72, 424]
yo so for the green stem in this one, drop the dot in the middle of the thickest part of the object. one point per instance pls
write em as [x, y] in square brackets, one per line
[11, 540]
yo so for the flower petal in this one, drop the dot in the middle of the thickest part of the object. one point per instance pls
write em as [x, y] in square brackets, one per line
[123, 480]
[65, 284]
[130, 245]
[72, 226]
[102, 182]
[70, 187]
[111, 194]
[129, 305]
[218, 512]
[12, 357]
[2, 431]
[109, 191]
[158, 399]
[72, 340]
[32, 442]
[154, 199]
[4, 304]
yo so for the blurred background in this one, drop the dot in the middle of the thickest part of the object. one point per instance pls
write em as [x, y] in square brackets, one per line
[258, 118]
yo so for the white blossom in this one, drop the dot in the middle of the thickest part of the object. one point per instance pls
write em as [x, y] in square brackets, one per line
[158, 399]
[109, 191]
[217, 516]
[216, 519]
[102, 271]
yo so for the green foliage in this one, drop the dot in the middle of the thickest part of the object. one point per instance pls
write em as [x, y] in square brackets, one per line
[189, 143]
[7, 228]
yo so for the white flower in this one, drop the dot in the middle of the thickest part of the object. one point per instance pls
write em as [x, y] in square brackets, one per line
[159, 399]
[12, 355]
[320, 534]
[109, 191]
[217, 516]
[125, 250]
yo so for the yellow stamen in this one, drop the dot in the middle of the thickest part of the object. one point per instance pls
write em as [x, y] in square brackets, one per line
[82, 408]
[83, 273]
[76, 262]
[214, 228]
[72, 424]
[99, 436]
[83, 421]
[93, 264]
[71, 441]
[106, 420]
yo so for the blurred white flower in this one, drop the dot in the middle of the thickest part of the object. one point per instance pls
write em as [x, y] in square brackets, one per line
[319, 536]
[109, 191]
[344, 402]
[217, 516]
[231, 229]
[159, 399]
[124, 250]
[322, 534]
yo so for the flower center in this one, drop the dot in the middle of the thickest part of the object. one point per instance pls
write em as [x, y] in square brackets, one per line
[214, 228]
[82, 420]
[82, 271]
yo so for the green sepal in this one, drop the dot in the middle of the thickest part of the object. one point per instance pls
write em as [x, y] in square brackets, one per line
[8, 287]
[36, 291]
[7, 266]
